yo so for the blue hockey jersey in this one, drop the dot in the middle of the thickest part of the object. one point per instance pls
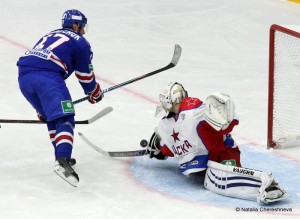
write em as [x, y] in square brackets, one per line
[62, 51]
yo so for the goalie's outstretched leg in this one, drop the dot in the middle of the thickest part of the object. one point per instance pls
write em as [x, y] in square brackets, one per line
[269, 190]
[243, 183]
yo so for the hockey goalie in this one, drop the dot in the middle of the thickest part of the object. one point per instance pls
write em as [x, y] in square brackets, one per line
[198, 135]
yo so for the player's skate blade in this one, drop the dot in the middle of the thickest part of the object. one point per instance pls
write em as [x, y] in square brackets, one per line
[63, 169]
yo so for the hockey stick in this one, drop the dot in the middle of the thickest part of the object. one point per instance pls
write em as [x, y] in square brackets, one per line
[174, 61]
[102, 113]
[113, 153]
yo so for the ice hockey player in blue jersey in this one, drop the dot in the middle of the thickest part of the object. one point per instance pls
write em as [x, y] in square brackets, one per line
[42, 74]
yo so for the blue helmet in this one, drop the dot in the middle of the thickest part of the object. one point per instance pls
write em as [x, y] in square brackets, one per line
[73, 16]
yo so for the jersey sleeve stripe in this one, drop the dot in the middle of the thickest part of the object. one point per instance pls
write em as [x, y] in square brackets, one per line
[85, 77]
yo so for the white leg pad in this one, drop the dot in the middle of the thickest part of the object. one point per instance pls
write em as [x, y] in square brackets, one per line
[229, 183]
[242, 183]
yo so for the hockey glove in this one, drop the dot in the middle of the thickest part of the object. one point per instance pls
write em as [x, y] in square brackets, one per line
[220, 110]
[153, 148]
[96, 95]
[41, 118]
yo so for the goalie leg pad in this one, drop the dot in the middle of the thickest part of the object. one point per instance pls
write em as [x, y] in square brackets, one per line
[270, 191]
[230, 184]
[242, 183]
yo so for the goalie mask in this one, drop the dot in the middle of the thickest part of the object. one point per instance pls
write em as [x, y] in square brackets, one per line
[174, 93]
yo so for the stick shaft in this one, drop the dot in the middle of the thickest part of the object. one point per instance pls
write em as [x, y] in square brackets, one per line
[174, 61]
[113, 153]
[100, 114]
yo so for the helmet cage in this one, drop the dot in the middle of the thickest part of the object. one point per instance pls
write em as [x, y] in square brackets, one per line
[174, 94]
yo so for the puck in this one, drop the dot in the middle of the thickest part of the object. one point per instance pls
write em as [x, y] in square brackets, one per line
[144, 143]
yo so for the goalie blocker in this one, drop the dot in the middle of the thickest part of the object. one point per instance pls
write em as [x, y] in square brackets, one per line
[242, 183]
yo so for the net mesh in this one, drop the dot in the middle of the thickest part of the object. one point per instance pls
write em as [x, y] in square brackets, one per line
[286, 107]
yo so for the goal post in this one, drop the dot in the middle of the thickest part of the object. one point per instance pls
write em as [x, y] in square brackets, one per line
[284, 87]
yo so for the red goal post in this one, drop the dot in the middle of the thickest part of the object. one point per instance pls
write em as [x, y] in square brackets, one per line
[284, 87]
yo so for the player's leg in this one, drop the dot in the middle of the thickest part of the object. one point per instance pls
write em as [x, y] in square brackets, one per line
[194, 166]
[231, 156]
[52, 129]
[57, 105]
[27, 86]
[242, 183]
[63, 138]
[48, 94]
[63, 150]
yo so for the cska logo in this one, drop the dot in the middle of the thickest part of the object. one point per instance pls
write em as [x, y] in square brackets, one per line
[182, 148]
[175, 136]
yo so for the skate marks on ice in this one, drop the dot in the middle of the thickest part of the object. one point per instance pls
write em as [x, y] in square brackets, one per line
[165, 177]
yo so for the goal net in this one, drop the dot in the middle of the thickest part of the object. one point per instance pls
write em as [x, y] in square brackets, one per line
[284, 87]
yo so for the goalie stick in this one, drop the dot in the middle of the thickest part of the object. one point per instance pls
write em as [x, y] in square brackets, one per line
[100, 114]
[173, 63]
[113, 153]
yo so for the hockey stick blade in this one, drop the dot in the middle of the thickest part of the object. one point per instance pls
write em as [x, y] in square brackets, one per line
[177, 54]
[174, 61]
[102, 113]
[112, 153]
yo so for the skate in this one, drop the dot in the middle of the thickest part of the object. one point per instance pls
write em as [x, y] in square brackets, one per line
[63, 168]
[270, 191]
[72, 162]
[272, 194]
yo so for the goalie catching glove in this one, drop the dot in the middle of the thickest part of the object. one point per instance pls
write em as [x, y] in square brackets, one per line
[153, 148]
[220, 110]
[96, 95]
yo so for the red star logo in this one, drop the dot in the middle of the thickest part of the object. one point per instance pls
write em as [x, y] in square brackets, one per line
[191, 101]
[175, 136]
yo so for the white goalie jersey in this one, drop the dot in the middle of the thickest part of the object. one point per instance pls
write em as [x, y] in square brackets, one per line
[199, 147]
[179, 134]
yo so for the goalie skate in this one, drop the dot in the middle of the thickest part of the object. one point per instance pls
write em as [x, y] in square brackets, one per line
[270, 191]
[272, 194]
[63, 169]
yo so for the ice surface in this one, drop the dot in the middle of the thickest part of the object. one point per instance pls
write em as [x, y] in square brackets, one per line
[225, 48]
